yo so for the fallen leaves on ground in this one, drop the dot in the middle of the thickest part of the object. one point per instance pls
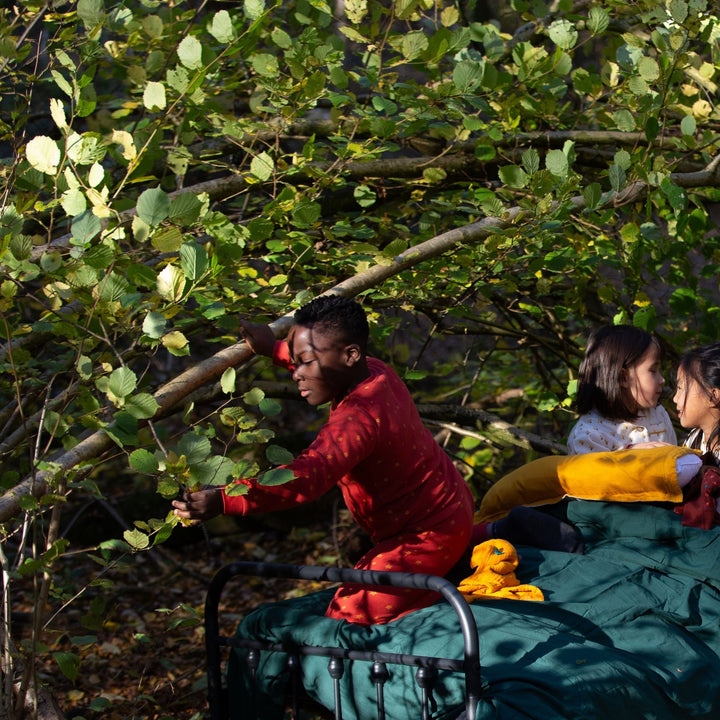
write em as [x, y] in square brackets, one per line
[145, 660]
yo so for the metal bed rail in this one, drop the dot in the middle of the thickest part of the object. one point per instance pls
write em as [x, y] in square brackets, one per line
[468, 665]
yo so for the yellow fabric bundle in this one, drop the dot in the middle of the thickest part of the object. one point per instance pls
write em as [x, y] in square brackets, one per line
[494, 577]
[640, 475]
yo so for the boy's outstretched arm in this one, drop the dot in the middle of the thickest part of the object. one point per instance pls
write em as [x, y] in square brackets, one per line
[260, 338]
[199, 506]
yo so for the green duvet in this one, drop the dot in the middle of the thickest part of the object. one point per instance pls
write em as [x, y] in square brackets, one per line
[628, 631]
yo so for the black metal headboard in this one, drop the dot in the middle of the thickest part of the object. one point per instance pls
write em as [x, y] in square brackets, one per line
[468, 666]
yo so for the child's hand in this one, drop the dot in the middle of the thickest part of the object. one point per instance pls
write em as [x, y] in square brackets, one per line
[259, 338]
[199, 506]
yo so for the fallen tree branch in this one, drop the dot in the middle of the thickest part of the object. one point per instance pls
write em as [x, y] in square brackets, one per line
[461, 415]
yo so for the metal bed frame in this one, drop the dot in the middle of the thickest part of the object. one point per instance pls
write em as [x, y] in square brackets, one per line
[468, 666]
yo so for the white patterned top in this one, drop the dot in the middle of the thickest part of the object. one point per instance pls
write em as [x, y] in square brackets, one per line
[595, 433]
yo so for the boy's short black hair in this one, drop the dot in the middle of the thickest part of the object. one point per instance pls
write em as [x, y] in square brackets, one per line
[340, 314]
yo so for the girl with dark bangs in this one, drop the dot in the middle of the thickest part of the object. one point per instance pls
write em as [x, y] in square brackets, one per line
[619, 388]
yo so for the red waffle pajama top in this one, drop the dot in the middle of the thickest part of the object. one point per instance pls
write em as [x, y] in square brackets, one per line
[397, 482]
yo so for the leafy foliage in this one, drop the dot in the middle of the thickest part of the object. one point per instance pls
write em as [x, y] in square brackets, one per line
[491, 188]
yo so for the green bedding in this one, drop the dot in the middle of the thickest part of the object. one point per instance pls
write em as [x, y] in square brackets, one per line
[629, 630]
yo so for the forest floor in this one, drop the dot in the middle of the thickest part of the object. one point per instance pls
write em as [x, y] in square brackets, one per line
[145, 659]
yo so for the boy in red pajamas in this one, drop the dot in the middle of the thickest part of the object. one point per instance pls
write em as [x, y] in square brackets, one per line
[397, 482]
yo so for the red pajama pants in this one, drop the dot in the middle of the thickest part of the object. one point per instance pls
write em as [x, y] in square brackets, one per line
[431, 552]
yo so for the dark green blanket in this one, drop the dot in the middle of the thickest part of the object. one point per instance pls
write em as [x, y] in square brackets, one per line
[628, 631]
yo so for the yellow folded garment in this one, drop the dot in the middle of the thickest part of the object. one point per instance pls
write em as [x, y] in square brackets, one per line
[634, 475]
[494, 577]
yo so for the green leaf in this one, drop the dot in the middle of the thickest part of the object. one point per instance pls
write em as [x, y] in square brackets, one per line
[112, 287]
[84, 367]
[678, 11]
[414, 44]
[190, 52]
[143, 461]
[262, 166]
[306, 214]
[154, 325]
[171, 283]
[123, 430]
[688, 125]
[276, 476]
[467, 75]
[136, 539]
[221, 27]
[154, 97]
[269, 407]
[143, 406]
[253, 9]
[649, 69]
[153, 206]
[85, 227]
[265, 64]
[122, 382]
[617, 177]
[557, 163]
[592, 195]
[624, 120]
[253, 397]
[531, 161]
[216, 470]
[237, 489]
[227, 381]
[43, 154]
[185, 208]
[194, 447]
[598, 20]
[513, 176]
[91, 12]
[69, 663]
[364, 196]
[176, 343]
[194, 260]
[73, 202]
[278, 455]
[563, 34]
[677, 196]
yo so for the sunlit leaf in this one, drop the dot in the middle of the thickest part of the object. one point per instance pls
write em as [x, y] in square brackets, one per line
[171, 283]
[190, 52]
[221, 27]
[43, 154]
[176, 343]
[227, 381]
[262, 166]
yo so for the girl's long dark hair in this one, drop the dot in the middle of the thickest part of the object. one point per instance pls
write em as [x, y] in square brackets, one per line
[611, 351]
[702, 364]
